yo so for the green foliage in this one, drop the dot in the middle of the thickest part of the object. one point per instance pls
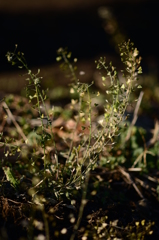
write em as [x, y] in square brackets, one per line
[57, 176]
[9, 175]
[35, 95]
[82, 155]
[117, 100]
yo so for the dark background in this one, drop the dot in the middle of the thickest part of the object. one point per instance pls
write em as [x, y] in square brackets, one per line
[39, 30]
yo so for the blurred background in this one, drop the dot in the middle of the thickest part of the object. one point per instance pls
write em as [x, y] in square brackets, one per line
[89, 29]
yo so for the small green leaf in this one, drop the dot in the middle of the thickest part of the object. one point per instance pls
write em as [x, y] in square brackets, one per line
[10, 177]
[123, 86]
[58, 59]
[69, 55]
[139, 70]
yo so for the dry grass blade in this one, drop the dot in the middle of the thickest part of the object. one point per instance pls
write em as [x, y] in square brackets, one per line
[10, 115]
[155, 137]
[135, 116]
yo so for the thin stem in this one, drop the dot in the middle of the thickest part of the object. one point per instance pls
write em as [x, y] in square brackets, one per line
[90, 125]
[81, 209]
[70, 67]
[46, 224]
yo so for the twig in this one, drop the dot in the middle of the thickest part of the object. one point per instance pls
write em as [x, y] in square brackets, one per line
[151, 178]
[135, 115]
[145, 185]
[10, 200]
[130, 181]
[14, 121]
[38, 183]
[134, 169]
